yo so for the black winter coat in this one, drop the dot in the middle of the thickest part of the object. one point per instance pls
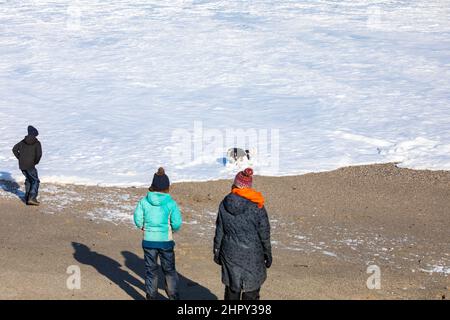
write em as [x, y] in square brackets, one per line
[28, 152]
[242, 240]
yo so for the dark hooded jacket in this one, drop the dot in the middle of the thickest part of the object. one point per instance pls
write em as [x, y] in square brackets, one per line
[242, 240]
[28, 152]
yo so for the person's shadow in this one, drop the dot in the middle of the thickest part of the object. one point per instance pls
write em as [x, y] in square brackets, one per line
[112, 270]
[8, 184]
[189, 290]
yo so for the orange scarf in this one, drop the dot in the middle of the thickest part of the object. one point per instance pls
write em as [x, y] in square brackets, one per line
[250, 194]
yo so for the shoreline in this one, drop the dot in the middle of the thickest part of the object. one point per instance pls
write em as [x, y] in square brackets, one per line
[327, 229]
[144, 185]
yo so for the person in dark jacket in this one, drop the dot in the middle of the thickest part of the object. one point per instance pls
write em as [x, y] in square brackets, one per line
[29, 153]
[242, 240]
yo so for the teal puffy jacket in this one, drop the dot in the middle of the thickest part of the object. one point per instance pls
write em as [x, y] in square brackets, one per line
[158, 215]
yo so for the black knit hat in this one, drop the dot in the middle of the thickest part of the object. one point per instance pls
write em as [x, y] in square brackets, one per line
[32, 131]
[160, 181]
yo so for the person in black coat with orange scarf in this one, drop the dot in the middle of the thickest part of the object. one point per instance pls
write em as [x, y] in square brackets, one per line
[242, 240]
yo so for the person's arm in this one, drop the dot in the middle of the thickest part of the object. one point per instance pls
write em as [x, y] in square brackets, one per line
[218, 237]
[38, 153]
[139, 216]
[16, 151]
[176, 219]
[264, 236]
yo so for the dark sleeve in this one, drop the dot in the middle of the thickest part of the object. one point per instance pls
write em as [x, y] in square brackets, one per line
[38, 153]
[15, 150]
[264, 232]
[219, 232]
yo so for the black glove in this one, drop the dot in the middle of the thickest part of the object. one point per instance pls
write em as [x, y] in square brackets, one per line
[268, 260]
[217, 257]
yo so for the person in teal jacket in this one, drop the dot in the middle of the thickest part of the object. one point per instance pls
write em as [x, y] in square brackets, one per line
[158, 216]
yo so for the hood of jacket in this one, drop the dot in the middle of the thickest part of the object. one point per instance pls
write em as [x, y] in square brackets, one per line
[158, 198]
[30, 140]
[235, 204]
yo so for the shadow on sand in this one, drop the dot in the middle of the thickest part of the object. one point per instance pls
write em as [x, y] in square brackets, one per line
[111, 269]
[8, 184]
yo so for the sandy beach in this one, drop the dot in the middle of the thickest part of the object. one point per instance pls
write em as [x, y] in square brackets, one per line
[327, 229]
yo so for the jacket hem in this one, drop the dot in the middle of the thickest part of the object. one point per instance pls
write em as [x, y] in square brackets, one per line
[158, 244]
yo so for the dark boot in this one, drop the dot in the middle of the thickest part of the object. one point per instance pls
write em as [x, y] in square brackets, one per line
[33, 202]
[149, 298]
[251, 295]
[173, 296]
[231, 295]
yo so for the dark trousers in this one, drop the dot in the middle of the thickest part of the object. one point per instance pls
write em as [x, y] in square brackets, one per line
[31, 183]
[167, 259]
[233, 295]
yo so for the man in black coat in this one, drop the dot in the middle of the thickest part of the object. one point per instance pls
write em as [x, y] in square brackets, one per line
[242, 240]
[29, 153]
